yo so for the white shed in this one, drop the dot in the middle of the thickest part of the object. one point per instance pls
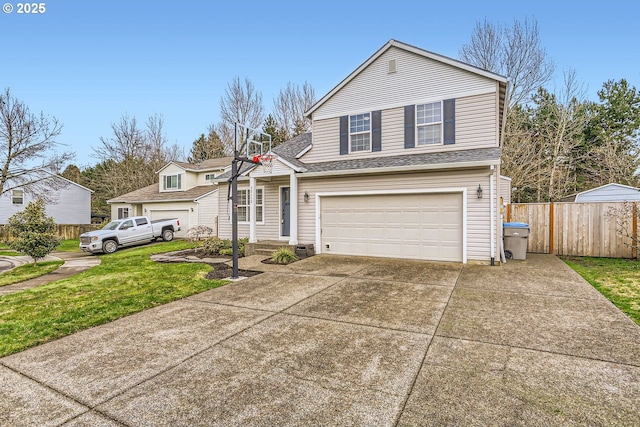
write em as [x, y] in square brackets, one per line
[609, 193]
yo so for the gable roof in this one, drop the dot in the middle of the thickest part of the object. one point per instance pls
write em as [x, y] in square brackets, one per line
[425, 53]
[204, 166]
[608, 192]
[151, 193]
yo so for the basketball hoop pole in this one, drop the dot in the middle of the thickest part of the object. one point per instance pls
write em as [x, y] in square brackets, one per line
[234, 203]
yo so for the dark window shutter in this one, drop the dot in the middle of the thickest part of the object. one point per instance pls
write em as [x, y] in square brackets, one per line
[376, 130]
[449, 120]
[410, 126]
[344, 135]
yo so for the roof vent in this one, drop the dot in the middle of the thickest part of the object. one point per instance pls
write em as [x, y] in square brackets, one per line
[393, 66]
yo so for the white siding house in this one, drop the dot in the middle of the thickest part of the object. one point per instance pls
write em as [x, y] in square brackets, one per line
[65, 201]
[393, 168]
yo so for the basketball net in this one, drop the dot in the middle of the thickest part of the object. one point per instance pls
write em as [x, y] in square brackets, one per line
[266, 160]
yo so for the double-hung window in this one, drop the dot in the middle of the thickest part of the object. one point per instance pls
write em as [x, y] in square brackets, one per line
[17, 197]
[244, 205]
[360, 132]
[429, 123]
[172, 182]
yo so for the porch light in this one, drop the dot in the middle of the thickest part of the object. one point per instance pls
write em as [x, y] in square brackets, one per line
[306, 197]
[479, 191]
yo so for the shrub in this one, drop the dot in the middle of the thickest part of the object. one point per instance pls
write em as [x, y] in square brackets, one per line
[217, 246]
[195, 234]
[284, 256]
[34, 231]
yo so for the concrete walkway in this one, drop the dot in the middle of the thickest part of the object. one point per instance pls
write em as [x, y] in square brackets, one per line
[74, 263]
[347, 341]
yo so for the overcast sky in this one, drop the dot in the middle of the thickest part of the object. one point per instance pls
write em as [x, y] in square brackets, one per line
[89, 62]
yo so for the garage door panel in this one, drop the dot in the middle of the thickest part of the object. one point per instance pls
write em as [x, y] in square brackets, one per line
[423, 226]
[182, 215]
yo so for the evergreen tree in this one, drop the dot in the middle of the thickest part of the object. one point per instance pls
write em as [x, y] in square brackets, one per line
[278, 134]
[33, 232]
[207, 147]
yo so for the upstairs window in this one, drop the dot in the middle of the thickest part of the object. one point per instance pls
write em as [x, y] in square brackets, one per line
[360, 132]
[209, 177]
[17, 197]
[429, 123]
[172, 182]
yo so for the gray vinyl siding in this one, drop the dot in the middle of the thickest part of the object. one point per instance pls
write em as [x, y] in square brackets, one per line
[270, 229]
[476, 119]
[70, 204]
[206, 212]
[609, 193]
[417, 80]
[478, 210]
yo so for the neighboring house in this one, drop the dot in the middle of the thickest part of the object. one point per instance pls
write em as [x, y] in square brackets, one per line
[184, 191]
[606, 193]
[65, 201]
[398, 152]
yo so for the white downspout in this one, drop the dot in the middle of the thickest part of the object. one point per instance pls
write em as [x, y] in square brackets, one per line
[492, 191]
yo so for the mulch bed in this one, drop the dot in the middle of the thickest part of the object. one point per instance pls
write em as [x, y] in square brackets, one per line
[220, 270]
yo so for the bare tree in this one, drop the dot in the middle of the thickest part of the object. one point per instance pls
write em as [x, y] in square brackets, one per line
[543, 142]
[131, 157]
[289, 108]
[241, 103]
[514, 52]
[27, 147]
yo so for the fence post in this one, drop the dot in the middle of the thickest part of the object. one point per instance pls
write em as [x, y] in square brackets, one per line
[551, 221]
[634, 232]
[509, 212]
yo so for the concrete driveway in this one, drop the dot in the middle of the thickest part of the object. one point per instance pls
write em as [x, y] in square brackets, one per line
[347, 341]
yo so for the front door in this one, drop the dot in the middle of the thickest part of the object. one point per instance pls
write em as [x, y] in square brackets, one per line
[285, 202]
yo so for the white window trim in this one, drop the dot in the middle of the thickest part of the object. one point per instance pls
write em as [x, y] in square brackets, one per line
[180, 182]
[248, 190]
[360, 133]
[441, 123]
[211, 176]
[128, 209]
[14, 196]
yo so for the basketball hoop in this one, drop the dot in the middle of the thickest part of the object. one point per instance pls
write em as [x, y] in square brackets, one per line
[266, 160]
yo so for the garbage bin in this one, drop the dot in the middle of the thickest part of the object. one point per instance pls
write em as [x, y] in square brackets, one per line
[515, 235]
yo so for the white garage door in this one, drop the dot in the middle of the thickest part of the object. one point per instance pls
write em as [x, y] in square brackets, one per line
[182, 215]
[417, 226]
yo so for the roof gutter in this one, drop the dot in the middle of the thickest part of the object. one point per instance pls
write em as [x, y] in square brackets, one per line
[392, 169]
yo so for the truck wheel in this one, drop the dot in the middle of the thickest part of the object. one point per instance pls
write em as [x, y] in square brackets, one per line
[109, 247]
[167, 235]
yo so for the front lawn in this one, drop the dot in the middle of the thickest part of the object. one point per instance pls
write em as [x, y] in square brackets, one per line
[126, 282]
[71, 245]
[615, 278]
[28, 271]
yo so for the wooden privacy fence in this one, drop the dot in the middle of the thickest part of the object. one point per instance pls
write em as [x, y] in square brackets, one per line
[578, 229]
[65, 231]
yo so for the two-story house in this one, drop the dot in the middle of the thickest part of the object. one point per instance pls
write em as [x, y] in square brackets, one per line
[65, 201]
[403, 161]
[184, 191]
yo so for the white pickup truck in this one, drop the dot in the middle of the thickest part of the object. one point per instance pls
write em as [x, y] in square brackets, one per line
[128, 232]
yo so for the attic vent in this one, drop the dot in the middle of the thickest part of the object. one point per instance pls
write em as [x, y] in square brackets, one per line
[393, 66]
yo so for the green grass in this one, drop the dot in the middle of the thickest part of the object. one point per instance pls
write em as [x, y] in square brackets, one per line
[9, 252]
[28, 271]
[615, 278]
[126, 282]
[72, 245]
